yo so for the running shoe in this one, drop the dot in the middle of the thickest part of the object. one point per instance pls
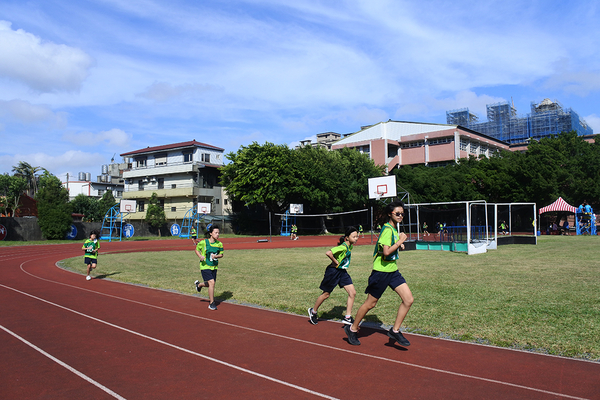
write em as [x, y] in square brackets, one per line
[212, 306]
[313, 317]
[352, 339]
[398, 337]
[198, 288]
[88, 278]
[348, 320]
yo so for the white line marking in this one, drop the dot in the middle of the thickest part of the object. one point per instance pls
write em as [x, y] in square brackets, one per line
[65, 365]
[313, 343]
[257, 374]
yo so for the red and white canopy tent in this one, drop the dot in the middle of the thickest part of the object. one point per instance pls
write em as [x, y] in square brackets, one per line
[559, 205]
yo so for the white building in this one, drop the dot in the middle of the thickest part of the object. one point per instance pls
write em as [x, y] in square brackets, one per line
[181, 174]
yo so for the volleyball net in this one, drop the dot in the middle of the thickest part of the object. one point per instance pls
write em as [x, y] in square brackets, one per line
[315, 224]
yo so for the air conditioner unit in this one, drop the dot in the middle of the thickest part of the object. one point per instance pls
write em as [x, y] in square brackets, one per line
[146, 180]
[153, 179]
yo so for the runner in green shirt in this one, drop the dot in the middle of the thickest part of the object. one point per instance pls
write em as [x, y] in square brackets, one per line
[209, 251]
[336, 274]
[385, 274]
[91, 247]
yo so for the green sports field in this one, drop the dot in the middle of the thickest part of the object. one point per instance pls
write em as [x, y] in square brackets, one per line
[544, 298]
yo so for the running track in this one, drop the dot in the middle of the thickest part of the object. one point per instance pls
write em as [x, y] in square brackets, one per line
[65, 338]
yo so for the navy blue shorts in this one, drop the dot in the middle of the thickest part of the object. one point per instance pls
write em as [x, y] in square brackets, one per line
[335, 277]
[379, 281]
[208, 274]
[89, 260]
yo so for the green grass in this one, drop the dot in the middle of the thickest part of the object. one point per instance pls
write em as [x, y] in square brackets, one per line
[544, 298]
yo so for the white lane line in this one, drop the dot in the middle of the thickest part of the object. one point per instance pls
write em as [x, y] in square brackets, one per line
[226, 364]
[63, 364]
[442, 371]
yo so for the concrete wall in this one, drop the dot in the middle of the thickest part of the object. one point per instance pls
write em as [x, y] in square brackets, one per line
[27, 229]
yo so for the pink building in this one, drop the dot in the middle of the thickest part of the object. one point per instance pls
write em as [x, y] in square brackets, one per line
[397, 143]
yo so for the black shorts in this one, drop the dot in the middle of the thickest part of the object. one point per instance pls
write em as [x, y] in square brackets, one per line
[89, 260]
[335, 277]
[379, 281]
[208, 274]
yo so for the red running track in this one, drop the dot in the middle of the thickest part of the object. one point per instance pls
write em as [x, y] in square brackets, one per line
[66, 338]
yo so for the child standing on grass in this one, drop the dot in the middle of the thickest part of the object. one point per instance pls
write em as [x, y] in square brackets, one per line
[336, 274]
[91, 247]
[385, 273]
[209, 251]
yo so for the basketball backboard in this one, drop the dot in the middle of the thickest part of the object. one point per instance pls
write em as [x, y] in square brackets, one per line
[128, 206]
[382, 187]
[203, 208]
[296, 208]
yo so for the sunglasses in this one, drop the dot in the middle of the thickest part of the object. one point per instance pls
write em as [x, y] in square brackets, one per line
[399, 214]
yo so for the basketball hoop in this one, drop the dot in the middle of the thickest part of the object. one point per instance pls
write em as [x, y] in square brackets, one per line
[204, 210]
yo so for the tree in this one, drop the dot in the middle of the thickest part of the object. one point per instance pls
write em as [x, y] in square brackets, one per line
[54, 209]
[11, 189]
[105, 203]
[28, 172]
[155, 215]
[88, 206]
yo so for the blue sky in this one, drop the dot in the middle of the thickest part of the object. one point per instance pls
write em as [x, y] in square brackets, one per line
[83, 80]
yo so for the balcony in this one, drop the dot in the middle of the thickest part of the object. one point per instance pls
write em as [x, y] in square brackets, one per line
[188, 189]
[170, 168]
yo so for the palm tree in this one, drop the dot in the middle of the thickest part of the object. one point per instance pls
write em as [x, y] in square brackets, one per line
[28, 172]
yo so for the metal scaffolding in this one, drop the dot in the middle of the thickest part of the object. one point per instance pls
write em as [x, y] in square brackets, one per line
[547, 118]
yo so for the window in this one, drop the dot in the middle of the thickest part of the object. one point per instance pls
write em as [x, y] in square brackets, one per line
[188, 157]
[141, 205]
[440, 141]
[140, 185]
[474, 148]
[160, 159]
[141, 162]
[216, 201]
[206, 157]
[174, 186]
[225, 201]
[161, 203]
[161, 183]
[173, 209]
[464, 144]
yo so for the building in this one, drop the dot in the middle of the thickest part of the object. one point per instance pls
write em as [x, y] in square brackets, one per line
[397, 143]
[325, 140]
[546, 118]
[181, 174]
[110, 179]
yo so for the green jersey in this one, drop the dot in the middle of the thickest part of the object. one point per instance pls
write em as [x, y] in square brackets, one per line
[208, 249]
[91, 248]
[387, 237]
[342, 254]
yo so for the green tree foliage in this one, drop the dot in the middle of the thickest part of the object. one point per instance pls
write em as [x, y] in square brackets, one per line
[155, 215]
[88, 206]
[54, 209]
[29, 173]
[106, 203]
[11, 189]
[275, 175]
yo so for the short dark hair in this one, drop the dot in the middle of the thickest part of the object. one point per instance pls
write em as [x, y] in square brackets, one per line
[390, 207]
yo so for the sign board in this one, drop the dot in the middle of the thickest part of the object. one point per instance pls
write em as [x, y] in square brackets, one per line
[128, 230]
[3, 232]
[72, 234]
[203, 208]
[128, 206]
[175, 230]
[296, 208]
[382, 187]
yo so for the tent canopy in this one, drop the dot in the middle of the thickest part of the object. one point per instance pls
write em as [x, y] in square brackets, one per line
[559, 205]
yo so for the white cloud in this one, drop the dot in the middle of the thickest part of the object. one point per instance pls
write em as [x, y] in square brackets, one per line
[71, 161]
[27, 113]
[594, 122]
[163, 91]
[116, 139]
[42, 66]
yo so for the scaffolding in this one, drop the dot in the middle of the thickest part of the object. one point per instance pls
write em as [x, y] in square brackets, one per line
[547, 118]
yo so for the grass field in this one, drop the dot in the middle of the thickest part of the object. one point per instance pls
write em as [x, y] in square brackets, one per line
[544, 298]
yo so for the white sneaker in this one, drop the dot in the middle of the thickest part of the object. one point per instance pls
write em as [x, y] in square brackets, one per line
[88, 278]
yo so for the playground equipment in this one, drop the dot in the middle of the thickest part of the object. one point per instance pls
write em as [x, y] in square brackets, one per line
[289, 218]
[112, 224]
[192, 219]
[585, 222]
